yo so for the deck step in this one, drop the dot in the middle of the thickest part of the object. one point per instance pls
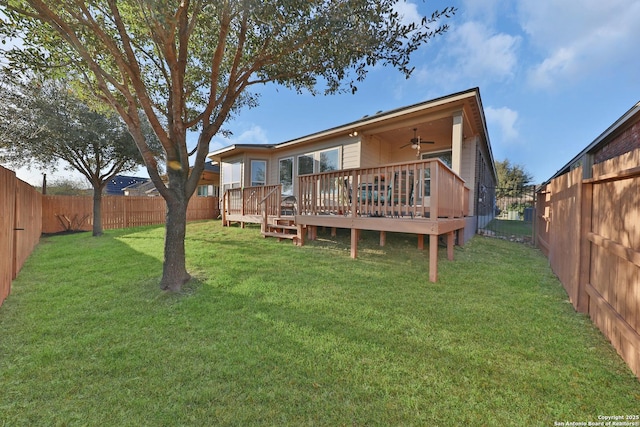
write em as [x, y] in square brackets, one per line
[282, 227]
[284, 221]
[279, 235]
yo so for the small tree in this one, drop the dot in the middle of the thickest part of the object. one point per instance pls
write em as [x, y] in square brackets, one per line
[189, 64]
[44, 121]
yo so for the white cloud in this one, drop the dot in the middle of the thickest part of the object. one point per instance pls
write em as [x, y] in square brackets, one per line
[505, 119]
[580, 38]
[252, 135]
[473, 55]
[408, 12]
[486, 11]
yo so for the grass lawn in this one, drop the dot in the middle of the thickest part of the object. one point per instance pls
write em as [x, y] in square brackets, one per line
[510, 227]
[276, 335]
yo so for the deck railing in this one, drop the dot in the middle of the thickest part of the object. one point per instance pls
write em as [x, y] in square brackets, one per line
[419, 189]
[250, 200]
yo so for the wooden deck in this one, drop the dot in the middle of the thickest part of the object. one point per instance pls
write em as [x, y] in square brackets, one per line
[423, 198]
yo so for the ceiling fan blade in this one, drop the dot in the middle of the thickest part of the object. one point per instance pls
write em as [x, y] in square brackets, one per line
[421, 142]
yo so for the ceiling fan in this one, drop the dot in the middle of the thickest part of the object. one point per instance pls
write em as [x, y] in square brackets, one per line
[416, 141]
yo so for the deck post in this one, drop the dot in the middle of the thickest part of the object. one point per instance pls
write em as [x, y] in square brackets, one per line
[300, 238]
[420, 242]
[355, 234]
[383, 238]
[433, 258]
[450, 239]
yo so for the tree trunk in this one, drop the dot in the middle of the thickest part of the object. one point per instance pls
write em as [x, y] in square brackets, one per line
[97, 211]
[174, 270]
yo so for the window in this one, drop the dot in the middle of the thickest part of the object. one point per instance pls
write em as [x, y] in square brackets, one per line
[203, 190]
[258, 172]
[446, 158]
[231, 175]
[330, 160]
[305, 164]
[286, 175]
[208, 190]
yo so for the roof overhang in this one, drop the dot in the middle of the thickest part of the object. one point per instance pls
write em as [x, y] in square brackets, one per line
[468, 101]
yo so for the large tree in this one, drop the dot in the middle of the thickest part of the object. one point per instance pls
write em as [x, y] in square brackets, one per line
[190, 64]
[511, 178]
[43, 121]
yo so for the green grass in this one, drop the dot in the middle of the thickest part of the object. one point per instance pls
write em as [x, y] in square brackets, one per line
[272, 334]
[510, 227]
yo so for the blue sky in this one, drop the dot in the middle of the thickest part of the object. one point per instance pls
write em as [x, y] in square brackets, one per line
[553, 75]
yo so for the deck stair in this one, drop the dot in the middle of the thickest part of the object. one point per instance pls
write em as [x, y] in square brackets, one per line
[282, 228]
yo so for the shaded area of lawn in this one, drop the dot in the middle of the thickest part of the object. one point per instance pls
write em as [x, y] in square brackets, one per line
[272, 334]
[514, 230]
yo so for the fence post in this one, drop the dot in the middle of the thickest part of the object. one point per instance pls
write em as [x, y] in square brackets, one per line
[584, 260]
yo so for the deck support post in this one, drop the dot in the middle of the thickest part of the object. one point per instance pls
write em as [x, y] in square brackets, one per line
[433, 258]
[355, 235]
[333, 231]
[420, 242]
[312, 232]
[450, 243]
[383, 238]
[300, 237]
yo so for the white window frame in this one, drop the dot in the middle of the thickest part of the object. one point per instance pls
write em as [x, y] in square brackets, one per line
[231, 175]
[425, 182]
[285, 190]
[256, 183]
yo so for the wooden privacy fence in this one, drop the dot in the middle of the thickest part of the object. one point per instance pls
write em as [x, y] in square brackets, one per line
[590, 231]
[20, 226]
[63, 213]
[25, 214]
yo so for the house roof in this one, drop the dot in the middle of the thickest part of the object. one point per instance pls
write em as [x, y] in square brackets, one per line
[117, 184]
[475, 119]
[146, 187]
[603, 139]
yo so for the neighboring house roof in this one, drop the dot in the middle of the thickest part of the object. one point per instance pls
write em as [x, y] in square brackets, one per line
[211, 167]
[145, 188]
[378, 120]
[606, 137]
[118, 183]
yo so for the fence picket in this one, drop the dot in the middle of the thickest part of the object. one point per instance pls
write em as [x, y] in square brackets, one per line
[590, 234]
[25, 214]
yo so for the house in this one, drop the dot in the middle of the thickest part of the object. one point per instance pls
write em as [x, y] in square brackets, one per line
[117, 184]
[144, 188]
[208, 186]
[426, 169]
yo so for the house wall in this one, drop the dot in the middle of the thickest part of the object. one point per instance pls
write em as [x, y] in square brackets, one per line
[350, 151]
[468, 172]
[351, 154]
[484, 186]
[628, 140]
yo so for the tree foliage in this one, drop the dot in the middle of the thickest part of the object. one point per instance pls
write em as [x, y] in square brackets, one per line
[43, 121]
[511, 178]
[191, 64]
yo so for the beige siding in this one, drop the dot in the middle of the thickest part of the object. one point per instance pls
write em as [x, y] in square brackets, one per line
[351, 155]
[273, 169]
[468, 173]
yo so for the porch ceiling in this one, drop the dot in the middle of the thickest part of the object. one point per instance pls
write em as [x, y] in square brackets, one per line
[439, 131]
